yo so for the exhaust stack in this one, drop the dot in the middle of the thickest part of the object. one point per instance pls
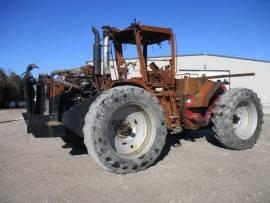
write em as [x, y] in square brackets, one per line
[106, 50]
[97, 52]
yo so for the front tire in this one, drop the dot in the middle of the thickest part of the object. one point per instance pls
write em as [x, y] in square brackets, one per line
[238, 119]
[125, 129]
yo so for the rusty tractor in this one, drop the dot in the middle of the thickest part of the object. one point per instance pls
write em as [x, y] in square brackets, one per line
[124, 118]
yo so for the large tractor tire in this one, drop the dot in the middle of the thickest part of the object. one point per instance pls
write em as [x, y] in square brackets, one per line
[125, 130]
[238, 119]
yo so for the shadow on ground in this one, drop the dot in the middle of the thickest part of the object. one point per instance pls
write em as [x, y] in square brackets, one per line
[174, 140]
[75, 143]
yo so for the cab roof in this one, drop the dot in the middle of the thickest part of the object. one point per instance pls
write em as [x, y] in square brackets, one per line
[150, 34]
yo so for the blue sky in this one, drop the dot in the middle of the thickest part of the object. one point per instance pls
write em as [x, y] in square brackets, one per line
[57, 33]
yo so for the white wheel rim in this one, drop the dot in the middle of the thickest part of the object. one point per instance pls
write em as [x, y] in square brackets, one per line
[139, 134]
[245, 120]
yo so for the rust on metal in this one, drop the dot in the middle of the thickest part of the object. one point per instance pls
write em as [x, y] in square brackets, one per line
[230, 75]
[186, 102]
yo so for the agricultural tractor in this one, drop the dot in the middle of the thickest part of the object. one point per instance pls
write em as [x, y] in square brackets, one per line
[123, 118]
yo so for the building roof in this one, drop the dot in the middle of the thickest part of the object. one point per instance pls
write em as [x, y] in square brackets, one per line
[207, 54]
[225, 56]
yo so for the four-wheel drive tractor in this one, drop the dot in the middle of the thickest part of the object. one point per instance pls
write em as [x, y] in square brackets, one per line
[124, 120]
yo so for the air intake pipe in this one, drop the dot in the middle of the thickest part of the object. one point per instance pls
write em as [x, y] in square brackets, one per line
[97, 52]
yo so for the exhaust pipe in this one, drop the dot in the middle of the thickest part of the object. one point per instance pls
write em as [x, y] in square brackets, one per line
[97, 52]
[106, 50]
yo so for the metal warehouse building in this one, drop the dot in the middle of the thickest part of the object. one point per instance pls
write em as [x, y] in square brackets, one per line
[215, 64]
[212, 64]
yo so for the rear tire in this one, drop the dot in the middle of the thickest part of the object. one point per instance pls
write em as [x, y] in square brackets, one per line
[125, 130]
[238, 119]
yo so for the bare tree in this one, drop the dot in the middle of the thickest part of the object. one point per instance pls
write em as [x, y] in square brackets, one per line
[3, 79]
[11, 88]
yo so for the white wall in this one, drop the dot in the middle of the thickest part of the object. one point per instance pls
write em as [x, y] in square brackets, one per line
[259, 83]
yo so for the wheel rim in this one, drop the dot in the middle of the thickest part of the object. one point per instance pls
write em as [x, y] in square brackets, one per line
[131, 131]
[245, 120]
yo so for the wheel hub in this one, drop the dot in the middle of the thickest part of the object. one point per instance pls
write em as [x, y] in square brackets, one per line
[236, 120]
[123, 129]
[245, 120]
[130, 131]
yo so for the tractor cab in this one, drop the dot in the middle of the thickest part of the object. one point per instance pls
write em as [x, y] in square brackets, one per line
[142, 39]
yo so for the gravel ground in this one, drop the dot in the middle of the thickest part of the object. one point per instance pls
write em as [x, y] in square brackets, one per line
[195, 170]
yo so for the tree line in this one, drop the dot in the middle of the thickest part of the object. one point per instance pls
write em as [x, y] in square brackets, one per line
[11, 88]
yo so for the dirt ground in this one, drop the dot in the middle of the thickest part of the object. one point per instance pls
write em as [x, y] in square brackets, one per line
[195, 170]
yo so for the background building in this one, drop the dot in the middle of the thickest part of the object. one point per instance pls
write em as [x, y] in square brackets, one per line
[215, 63]
[211, 64]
